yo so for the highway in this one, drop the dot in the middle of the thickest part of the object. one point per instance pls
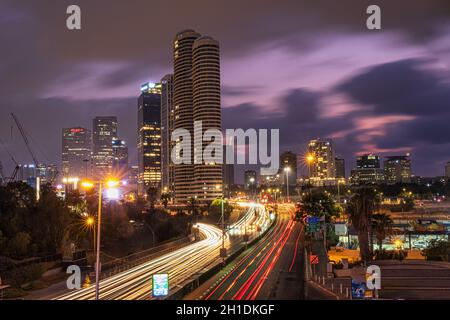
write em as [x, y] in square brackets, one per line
[258, 272]
[136, 283]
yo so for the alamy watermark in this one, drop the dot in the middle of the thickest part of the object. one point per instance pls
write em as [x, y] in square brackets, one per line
[208, 147]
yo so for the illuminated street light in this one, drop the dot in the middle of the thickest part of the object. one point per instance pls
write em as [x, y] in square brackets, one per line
[287, 170]
[112, 193]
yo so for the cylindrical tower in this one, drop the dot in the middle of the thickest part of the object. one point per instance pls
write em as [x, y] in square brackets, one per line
[206, 107]
[182, 99]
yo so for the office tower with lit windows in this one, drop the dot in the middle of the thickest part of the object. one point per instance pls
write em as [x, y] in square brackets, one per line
[368, 170]
[104, 130]
[397, 169]
[340, 168]
[167, 118]
[322, 166]
[183, 104]
[288, 168]
[47, 173]
[196, 97]
[120, 159]
[76, 152]
[149, 137]
[206, 110]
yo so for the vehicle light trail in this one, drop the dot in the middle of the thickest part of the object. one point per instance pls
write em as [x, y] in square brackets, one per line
[135, 283]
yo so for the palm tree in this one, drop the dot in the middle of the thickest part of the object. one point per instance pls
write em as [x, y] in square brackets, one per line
[382, 225]
[360, 208]
[192, 206]
[165, 197]
[152, 192]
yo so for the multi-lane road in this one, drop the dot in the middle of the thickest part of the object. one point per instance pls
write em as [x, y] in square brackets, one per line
[271, 269]
[135, 283]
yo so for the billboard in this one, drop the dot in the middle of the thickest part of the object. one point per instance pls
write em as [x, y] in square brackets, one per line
[160, 285]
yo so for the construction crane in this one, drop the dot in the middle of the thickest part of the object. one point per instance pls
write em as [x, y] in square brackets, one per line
[25, 139]
[27, 143]
[16, 168]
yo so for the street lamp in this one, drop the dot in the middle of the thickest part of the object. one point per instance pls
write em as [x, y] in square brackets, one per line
[90, 224]
[110, 184]
[287, 169]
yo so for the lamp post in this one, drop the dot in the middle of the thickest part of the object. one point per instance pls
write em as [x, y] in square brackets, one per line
[287, 169]
[252, 181]
[90, 223]
[88, 185]
[309, 160]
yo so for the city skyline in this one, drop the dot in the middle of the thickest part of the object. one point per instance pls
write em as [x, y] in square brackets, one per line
[104, 81]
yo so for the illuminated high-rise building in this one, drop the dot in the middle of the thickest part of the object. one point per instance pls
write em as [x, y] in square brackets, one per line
[76, 152]
[120, 159]
[340, 168]
[397, 169]
[104, 130]
[206, 106]
[149, 137]
[367, 170]
[322, 166]
[196, 97]
[447, 170]
[167, 119]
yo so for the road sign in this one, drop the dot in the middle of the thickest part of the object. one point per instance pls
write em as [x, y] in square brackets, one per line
[313, 220]
[314, 259]
[358, 290]
[160, 285]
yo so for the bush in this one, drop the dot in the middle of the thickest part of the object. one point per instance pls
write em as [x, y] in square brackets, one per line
[438, 250]
[390, 255]
[26, 274]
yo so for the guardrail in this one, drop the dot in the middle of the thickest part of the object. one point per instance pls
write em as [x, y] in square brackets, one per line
[195, 281]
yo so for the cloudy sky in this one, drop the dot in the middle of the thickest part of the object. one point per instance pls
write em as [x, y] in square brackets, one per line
[310, 68]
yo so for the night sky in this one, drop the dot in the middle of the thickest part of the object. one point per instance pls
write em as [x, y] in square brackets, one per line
[310, 68]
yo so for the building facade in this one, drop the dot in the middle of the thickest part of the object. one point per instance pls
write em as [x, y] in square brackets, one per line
[149, 137]
[340, 168]
[167, 119]
[368, 170]
[397, 169]
[447, 170]
[120, 159]
[196, 97]
[104, 130]
[76, 152]
[322, 166]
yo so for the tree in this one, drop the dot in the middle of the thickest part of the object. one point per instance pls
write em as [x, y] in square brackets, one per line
[165, 198]
[320, 204]
[360, 208]
[152, 193]
[192, 206]
[215, 209]
[437, 250]
[382, 225]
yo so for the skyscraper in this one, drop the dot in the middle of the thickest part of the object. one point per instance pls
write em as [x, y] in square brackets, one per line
[288, 159]
[367, 170]
[76, 152]
[120, 159]
[196, 97]
[167, 119]
[183, 103]
[447, 170]
[206, 107]
[397, 169]
[340, 168]
[149, 137]
[104, 130]
[322, 166]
